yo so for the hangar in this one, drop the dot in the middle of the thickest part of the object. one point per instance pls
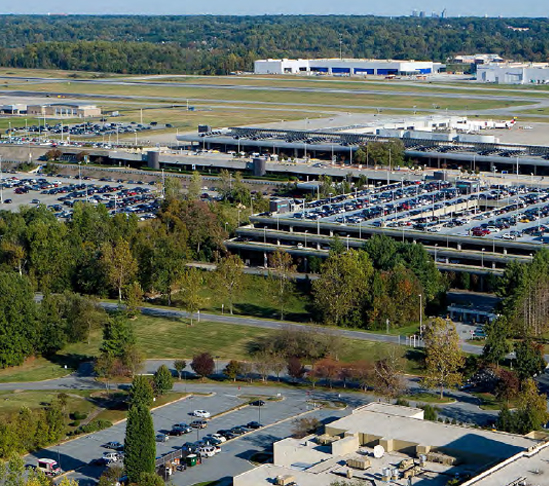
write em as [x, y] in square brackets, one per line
[345, 67]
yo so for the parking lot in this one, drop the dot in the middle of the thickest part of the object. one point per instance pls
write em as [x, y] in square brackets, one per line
[276, 416]
[60, 193]
[108, 131]
[487, 211]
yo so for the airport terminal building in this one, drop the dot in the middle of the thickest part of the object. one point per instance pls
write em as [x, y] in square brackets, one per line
[513, 73]
[345, 67]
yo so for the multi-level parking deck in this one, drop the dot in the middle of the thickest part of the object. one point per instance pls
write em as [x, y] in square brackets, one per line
[478, 233]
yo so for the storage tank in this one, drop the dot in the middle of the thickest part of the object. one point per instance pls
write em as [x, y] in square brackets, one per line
[153, 160]
[259, 166]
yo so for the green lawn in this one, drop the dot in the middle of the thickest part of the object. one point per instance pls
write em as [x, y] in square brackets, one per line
[34, 369]
[426, 397]
[299, 99]
[256, 300]
[170, 339]
[14, 400]
[490, 402]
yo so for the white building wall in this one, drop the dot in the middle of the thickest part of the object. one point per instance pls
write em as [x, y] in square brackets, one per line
[520, 74]
[344, 66]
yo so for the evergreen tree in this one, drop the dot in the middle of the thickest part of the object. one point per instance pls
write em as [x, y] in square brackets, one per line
[139, 444]
[496, 346]
[118, 336]
[530, 360]
[163, 380]
[141, 392]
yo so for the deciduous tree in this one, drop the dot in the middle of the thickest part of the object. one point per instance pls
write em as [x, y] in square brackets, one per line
[282, 269]
[342, 285]
[203, 364]
[443, 355]
[179, 365]
[189, 295]
[233, 369]
[118, 264]
[228, 278]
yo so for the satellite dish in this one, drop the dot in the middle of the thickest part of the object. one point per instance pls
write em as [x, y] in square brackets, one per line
[378, 451]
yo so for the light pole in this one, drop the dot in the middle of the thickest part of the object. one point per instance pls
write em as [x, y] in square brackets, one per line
[436, 247]
[482, 257]
[239, 216]
[226, 224]
[347, 242]
[265, 235]
[420, 314]
[305, 245]
[1, 183]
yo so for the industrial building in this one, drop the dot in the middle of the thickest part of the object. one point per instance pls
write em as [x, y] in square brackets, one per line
[391, 443]
[345, 67]
[477, 59]
[72, 110]
[14, 109]
[513, 73]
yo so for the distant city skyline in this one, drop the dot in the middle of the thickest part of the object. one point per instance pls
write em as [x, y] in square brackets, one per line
[491, 8]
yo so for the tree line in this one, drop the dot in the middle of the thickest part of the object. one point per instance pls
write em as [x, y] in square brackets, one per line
[225, 44]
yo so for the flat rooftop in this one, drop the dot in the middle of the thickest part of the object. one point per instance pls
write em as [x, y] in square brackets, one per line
[532, 468]
[524, 132]
[435, 434]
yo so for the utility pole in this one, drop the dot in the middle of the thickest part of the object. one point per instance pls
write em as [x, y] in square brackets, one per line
[1, 183]
[420, 314]
[340, 46]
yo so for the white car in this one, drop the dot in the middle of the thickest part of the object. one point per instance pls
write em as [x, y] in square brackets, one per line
[218, 437]
[207, 451]
[202, 413]
[111, 456]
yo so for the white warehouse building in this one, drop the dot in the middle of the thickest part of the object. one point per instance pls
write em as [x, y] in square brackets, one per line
[344, 67]
[513, 73]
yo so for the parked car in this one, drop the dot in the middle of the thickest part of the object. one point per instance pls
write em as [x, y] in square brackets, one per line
[201, 413]
[180, 429]
[116, 446]
[111, 456]
[207, 451]
[257, 403]
[238, 430]
[218, 437]
[253, 425]
[162, 437]
[199, 424]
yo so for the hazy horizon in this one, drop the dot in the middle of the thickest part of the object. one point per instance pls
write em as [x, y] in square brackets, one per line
[465, 8]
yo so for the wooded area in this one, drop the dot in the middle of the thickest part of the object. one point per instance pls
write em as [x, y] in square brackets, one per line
[225, 44]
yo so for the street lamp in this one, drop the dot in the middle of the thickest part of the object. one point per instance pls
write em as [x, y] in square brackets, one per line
[1, 183]
[436, 247]
[265, 235]
[226, 224]
[420, 315]
[347, 242]
[305, 245]
[482, 257]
